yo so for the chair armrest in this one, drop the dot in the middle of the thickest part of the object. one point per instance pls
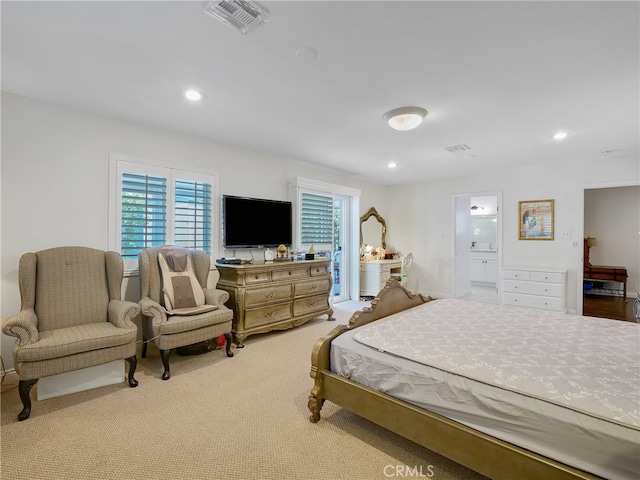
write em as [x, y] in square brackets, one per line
[152, 310]
[215, 296]
[23, 325]
[121, 313]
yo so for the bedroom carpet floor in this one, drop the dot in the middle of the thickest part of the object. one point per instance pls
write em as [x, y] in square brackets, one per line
[244, 417]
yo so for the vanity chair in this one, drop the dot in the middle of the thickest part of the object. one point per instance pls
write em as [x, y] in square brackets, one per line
[403, 276]
[178, 308]
[72, 316]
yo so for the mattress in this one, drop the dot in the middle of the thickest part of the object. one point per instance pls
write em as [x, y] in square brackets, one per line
[563, 386]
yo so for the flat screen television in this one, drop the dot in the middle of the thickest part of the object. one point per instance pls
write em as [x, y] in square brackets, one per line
[255, 222]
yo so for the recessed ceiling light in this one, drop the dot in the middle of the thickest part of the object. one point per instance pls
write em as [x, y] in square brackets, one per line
[306, 53]
[560, 135]
[405, 118]
[392, 165]
[193, 95]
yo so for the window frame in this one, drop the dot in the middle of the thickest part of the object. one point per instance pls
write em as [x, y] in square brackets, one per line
[122, 163]
[351, 239]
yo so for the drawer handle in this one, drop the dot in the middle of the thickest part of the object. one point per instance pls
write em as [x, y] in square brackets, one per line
[516, 286]
[313, 287]
[270, 314]
[312, 304]
[270, 295]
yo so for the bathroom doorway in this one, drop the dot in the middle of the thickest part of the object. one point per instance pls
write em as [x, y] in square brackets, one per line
[478, 254]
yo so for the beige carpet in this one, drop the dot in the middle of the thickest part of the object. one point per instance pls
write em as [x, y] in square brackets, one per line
[244, 417]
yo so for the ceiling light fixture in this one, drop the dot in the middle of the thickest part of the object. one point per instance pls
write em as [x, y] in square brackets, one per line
[306, 53]
[392, 165]
[560, 135]
[193, 95]
[405, 118]
[242, 15]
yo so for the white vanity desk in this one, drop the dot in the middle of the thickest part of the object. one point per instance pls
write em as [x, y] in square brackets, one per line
[374, 275]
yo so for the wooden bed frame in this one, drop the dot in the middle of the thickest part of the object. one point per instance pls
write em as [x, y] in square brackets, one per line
[476, 450]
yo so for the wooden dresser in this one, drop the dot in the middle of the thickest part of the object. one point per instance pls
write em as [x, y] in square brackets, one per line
[275, 296]
[603, 273]
[533, 287]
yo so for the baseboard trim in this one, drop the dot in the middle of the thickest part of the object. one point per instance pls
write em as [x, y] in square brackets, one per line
[10, 376]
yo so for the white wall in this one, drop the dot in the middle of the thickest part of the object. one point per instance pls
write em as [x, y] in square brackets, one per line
[55, 164]
[55, 167]
[421, 217]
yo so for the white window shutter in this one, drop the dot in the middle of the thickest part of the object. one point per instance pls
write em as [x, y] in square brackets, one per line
[144, 213]
[316, 220]
[193, 213]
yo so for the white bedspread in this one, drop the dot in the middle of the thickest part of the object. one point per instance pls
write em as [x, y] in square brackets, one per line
[586, 367]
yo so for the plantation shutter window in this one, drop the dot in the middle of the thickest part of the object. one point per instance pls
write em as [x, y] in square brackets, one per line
[316, 220]
[153, 205]
[144, 213]
[193, 214]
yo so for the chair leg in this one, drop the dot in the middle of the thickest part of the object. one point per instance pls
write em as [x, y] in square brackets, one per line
[144, 347]
[24, 388]
[228, 337]
[133, 363]
[164, 355]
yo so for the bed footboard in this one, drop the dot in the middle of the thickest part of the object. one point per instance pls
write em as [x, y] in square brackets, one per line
[393, 298]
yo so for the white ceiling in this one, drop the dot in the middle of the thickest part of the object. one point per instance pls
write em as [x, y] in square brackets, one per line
[499, 77]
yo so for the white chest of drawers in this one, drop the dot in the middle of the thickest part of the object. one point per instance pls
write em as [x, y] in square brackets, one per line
[535, 287]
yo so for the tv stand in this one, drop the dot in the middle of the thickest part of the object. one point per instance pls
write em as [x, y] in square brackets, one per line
[275, 296]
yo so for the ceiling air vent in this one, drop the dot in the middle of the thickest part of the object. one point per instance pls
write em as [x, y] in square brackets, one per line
[242, 15]
[458, 148]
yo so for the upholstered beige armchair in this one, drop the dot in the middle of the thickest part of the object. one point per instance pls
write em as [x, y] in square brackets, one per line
[71, 317]
[177, 307]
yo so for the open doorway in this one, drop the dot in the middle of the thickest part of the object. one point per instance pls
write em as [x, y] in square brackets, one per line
[610, 250]
[477, 254]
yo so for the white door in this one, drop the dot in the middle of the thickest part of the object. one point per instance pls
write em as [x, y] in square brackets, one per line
[462, 247]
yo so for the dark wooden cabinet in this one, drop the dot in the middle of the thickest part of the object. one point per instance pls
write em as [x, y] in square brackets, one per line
[604, 273]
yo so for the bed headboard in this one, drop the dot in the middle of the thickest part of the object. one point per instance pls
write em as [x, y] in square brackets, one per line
[393, 298]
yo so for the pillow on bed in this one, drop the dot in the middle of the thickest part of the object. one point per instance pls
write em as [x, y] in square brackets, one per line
[183, 295]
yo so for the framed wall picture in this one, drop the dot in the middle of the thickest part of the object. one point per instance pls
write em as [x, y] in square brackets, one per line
[535, 218]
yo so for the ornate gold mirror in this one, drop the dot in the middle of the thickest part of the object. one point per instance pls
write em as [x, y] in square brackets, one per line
[373, 229]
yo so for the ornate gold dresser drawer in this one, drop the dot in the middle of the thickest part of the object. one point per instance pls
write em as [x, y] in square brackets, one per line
[275, 296]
